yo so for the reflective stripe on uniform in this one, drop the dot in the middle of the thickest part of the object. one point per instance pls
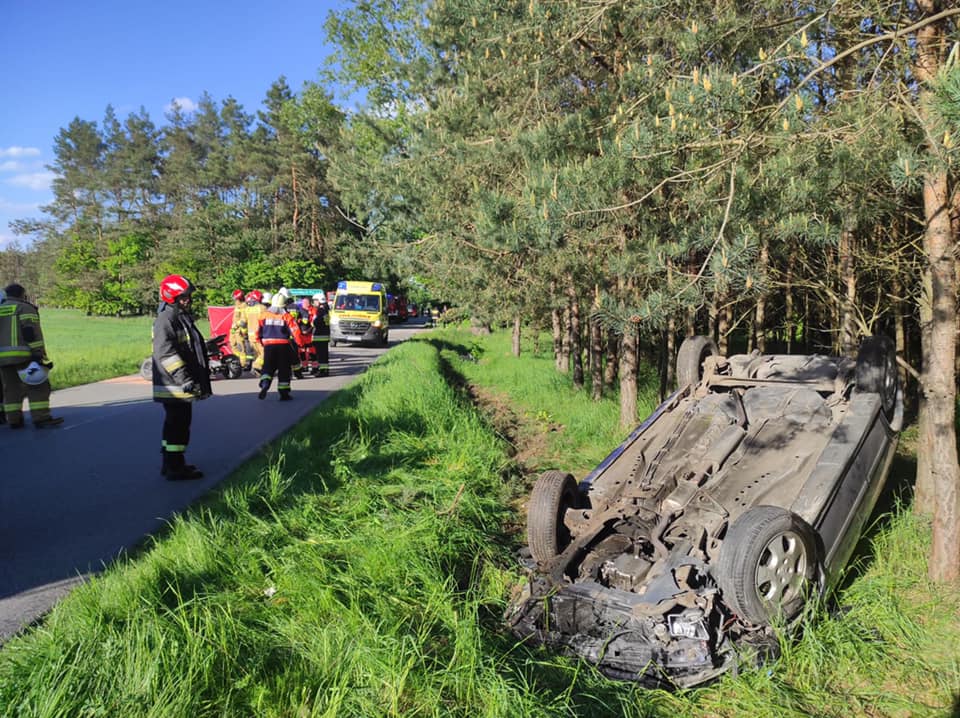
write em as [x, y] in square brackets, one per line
[39, 404]
[172, 363]
[283, 387]
[171, 393]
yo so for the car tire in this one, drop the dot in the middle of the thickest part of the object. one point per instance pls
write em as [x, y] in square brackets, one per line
[146, 369]
[877, 371]
[232, 368]
[693, 351]
[553, 493]
[766, 564]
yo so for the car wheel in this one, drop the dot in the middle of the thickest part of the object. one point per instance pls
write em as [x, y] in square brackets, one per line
[767, 562]
[553, 494]
[693, 351]
[877, 371]
[232, 368]
[146, 368]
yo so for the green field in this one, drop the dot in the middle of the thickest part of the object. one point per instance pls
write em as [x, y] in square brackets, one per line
[361, 566]
[86, 349]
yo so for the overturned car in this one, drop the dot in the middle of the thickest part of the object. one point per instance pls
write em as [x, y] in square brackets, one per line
[743, 495]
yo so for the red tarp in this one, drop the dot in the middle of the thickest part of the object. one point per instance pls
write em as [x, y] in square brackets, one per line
[220, 320]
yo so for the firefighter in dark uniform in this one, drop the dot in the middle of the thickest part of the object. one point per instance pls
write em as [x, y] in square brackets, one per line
[23, 355]
[321, 335]
[276, 330]
[181, 373]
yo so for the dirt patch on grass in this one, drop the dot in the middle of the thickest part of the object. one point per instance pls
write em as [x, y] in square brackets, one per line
[527, 438]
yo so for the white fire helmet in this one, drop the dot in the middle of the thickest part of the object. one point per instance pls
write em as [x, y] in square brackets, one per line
[267, 298]
[33, 374]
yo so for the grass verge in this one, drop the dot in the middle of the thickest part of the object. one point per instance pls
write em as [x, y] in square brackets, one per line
[361, 565]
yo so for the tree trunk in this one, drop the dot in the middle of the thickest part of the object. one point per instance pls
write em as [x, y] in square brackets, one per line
[515, 342]
[760, 320]
[789, 323]
[848, 279]
[564, 361]
[557, 326]
[628, 377]
[723, 329]
[938, 439]
[613, 361]
[576, 336]
[596, 350]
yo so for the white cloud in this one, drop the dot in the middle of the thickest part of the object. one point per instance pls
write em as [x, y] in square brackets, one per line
[19, 152]
[184, 103]
[10, 166]
[32, 180]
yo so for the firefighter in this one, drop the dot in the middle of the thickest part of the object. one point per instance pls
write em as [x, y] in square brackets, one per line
[252, 314]
[304, 312]
[321, 335]
[181, 374]
[275, 332]
[23, 362]
[238, 330]
[292, 316]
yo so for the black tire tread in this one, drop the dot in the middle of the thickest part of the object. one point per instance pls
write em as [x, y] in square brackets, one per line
[690, 358]
[553, 493]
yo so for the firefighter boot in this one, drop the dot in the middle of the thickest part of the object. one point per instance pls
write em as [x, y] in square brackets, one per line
[264, 388]
[285, 395]
[175, 467]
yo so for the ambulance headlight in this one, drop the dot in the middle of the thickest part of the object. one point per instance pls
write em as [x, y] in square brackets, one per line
[377, 324]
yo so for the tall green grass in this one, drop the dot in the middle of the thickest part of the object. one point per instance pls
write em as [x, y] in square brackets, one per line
[360, 567]
[86, 349]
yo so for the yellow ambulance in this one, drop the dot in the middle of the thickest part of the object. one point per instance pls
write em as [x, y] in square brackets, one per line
[359, 314]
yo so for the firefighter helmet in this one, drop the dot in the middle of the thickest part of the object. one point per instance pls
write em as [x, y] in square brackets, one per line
[33, 374]
[284, 292]
[237, 295]
[255, 295]
[174, 286]
[266, 298]
[318, 297]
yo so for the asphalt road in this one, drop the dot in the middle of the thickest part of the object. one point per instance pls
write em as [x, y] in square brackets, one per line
[74, 498]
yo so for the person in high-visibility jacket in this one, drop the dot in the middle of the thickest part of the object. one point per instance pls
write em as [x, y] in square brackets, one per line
[22, 351]
[303, 312]
[275, 332]
[321, 335]
[239, 342]
[254, 309]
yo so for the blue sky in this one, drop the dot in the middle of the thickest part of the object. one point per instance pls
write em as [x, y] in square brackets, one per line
[61, 59]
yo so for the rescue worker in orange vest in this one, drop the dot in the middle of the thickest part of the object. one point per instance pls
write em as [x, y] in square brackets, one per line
[296, 367]
[238, 330]
[276, 330]
[321, 335]
[304, 315]
[253, 311]
[23, 362]
[181, 373]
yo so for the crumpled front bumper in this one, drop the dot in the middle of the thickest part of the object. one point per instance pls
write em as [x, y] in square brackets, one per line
[615, 631]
